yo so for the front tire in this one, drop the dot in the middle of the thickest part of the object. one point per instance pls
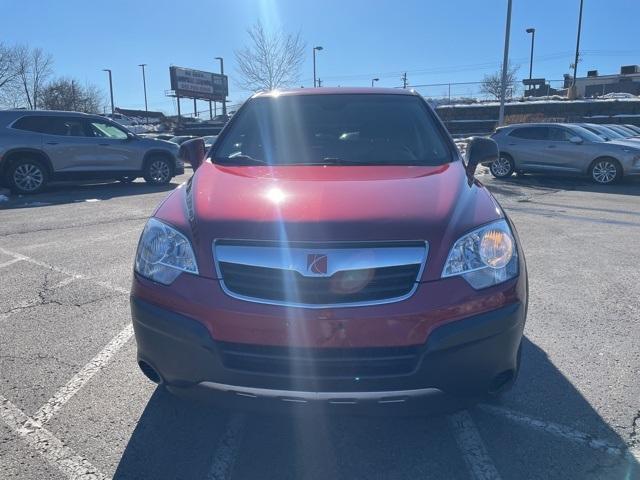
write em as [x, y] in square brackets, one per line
[27, 176]
[605, 171]
[503, 167]
[158, 171]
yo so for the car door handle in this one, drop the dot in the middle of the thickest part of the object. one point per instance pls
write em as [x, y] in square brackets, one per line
[551, 146]
[104, 144]
[52, 143]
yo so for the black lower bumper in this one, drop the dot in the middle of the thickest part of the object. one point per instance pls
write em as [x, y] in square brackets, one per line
[467, 357]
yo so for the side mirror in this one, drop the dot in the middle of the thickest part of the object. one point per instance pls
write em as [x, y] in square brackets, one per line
[480, 150]
[193, 152]
[577, 140]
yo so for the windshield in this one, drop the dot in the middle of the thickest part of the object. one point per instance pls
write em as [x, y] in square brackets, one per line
[364, 129]
[587, 134]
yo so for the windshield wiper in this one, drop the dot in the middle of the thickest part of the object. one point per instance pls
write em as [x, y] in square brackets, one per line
[342, 161]
[241, 158]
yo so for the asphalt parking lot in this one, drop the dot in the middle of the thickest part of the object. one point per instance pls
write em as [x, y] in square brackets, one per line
[74, 405]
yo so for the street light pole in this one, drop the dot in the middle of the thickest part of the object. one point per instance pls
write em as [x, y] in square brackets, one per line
[575, 64]
[110, 88]
[373, 80]
[144, 85]
[532, 31]
[224, 102]
[315, 82]
[505, 65]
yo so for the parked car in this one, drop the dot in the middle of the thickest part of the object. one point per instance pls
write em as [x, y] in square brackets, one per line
[333, 249]
[209, 140]
[562, 148]
[633, 128]
[39, 146]
[622, 130]
[180, 139]
[609, 135]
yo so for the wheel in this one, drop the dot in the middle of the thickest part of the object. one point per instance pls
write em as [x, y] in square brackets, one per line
[605, 171]
[158, 171]
[503, 167]
[27, 176]
[126, 179]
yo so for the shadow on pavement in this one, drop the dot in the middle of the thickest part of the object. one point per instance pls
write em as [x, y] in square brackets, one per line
[62, 193]
[179, 439]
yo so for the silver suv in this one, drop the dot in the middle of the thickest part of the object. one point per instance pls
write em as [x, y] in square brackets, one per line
[563, 148]
[39, 146]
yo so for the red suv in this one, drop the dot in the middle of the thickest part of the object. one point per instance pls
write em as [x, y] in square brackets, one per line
[333, 249]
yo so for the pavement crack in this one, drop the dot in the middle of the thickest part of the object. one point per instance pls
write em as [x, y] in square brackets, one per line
[39, 356]
[67, 227]
[44, 297]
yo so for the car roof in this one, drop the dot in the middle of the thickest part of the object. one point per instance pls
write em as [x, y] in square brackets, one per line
[334, 91]
[47, 113]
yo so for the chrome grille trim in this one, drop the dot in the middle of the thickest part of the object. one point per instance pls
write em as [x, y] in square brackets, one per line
[292, 258]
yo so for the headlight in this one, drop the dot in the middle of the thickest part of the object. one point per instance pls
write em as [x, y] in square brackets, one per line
[484, 257]
[163, 253]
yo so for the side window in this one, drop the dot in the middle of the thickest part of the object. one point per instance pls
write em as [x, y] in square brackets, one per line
[106, 130]
[66, 127]
[557, 134]
[33, 123]
[531, 133]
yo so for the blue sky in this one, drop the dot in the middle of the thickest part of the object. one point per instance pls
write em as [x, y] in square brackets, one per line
[434, 41]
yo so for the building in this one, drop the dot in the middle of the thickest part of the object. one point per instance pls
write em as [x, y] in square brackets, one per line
[595, 85]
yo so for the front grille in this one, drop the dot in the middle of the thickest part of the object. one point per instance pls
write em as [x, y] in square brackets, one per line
[291, 287]
[286, 275]
[320, 363]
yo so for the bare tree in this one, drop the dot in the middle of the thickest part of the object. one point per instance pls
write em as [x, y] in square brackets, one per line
[492, 83]
[34, 67]
[270, 61]
[8, 70]
[68, 94]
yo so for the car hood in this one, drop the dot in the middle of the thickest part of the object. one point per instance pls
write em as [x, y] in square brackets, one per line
[163, 144]
[328, 204]
[629, 142]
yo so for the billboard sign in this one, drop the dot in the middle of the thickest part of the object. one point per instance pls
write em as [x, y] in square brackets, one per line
[186, 82]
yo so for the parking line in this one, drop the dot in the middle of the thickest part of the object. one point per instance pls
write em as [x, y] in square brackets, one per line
[562, 431]
[227, 450]
[64, 394]
[475, 454]
[10, 262]
[47, 445]
[19, 256]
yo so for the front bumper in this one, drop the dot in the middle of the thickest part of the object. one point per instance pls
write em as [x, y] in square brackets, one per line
[461, 358]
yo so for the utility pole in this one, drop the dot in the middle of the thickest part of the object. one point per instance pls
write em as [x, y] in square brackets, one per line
[575, 64]
[505, 65]
[404, 80]
[532, 31]
[110, 88]
[315, 49]
[374, 80]
[224, 100]
[319, 82]
[144, 84]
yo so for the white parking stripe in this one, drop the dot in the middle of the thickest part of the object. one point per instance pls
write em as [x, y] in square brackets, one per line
[10, 262]
[227, 450]
[74, 466]
[561, 431]
[48, 266]
[62, 396]
[475, 454]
